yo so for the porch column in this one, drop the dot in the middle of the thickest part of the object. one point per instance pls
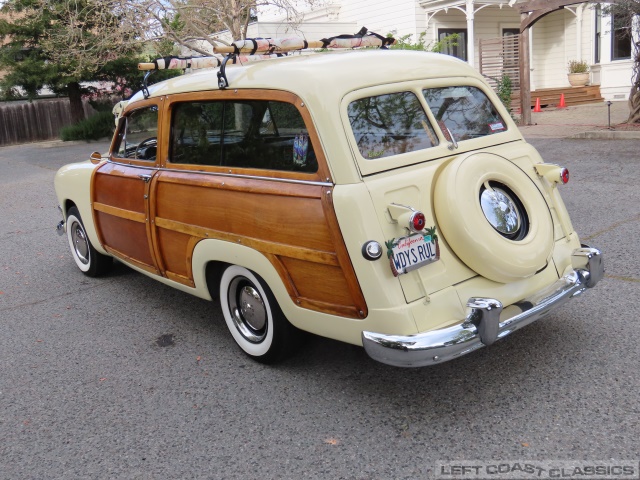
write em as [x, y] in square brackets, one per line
[579, 10]
[525, 73]
[471, 54]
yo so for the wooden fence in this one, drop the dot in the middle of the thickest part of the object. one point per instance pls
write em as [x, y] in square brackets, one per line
[25, 122]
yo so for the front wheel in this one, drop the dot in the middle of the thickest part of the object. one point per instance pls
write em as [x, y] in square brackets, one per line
[253, 316]
[89, 261]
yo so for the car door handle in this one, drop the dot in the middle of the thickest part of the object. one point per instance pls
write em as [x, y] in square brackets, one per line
[145, 177]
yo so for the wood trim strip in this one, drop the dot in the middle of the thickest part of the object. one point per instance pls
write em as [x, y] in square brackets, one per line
[120, 212]
[245, 184]
[128, 259]
[148, 187]
[299, 253]
[152, 231]
[229, 173]
[179, 279]
[332, 308]
[191, 244]
[284, 275]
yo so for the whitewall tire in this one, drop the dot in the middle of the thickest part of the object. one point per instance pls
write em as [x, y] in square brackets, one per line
[89, 261]
[253, 316]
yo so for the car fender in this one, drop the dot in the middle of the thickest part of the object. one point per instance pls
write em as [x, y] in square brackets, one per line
[339, 328]
[73, 185]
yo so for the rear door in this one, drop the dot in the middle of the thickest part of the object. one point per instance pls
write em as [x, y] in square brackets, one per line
[247, 167]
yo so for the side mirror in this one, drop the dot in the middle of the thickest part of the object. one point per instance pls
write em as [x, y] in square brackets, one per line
[96, 158]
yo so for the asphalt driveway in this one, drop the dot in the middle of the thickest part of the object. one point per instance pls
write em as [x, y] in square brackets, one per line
[123, 377]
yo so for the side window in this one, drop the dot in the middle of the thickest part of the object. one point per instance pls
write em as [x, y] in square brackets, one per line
[250, 134]
[390, 124]
[465, 111]
[138, 135]
[196, 133]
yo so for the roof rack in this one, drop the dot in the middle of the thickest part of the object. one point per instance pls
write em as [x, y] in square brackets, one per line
[258, 49]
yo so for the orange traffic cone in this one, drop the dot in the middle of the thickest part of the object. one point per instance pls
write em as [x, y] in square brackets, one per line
[537, 107]
[562, 103]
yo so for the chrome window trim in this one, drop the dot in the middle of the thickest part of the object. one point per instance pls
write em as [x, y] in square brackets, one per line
[232, 175]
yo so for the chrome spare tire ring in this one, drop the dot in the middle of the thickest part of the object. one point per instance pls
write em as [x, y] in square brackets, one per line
[504, 211]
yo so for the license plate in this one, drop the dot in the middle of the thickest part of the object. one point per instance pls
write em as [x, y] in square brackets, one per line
[414, 251]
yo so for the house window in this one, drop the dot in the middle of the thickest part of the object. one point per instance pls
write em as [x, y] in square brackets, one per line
[620, 39]
[456, 46]
[597, 42]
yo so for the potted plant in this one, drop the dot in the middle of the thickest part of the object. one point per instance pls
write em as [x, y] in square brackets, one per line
[578, 73]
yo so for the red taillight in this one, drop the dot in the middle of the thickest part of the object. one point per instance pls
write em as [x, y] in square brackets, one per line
[417, 222]
[564, 175]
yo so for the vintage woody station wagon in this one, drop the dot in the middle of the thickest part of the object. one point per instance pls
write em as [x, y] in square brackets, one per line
[382, 198]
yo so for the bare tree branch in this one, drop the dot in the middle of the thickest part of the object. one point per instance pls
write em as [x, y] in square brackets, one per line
[90, 33]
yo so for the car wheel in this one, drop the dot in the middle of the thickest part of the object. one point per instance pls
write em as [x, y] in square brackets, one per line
[253, 316]
[89, 261]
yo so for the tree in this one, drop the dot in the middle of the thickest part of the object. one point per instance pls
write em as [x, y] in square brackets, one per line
[38, 55]
[627, 12]
[62, 43]
[194, 23]
[190, 23]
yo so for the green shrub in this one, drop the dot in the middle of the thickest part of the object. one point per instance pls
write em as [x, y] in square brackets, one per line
[577, 66]
[405, 43]
[95, 127]
[103, 104]
[504, 89]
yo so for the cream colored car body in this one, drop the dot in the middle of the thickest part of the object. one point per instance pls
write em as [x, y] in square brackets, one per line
[430, 298]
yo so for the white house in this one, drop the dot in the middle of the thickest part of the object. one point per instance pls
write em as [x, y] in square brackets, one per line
[577, 32]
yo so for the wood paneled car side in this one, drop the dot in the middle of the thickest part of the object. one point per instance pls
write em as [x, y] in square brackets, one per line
[153, 212]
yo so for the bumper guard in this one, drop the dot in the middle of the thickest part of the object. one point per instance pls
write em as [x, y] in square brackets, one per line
[61, 227]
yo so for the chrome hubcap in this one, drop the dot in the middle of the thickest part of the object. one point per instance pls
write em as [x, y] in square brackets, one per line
[500, 210]
[248, 310]
[80, 243]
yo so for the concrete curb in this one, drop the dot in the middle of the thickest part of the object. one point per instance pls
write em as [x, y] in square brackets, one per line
[607, 135]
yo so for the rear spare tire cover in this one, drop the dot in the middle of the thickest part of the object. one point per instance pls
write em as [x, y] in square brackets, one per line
[498, 250]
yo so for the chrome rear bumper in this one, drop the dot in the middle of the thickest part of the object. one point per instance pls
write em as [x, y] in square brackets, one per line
[484, 324]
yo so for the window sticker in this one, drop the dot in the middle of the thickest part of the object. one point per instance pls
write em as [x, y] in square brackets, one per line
[300, 149]
[465, 110]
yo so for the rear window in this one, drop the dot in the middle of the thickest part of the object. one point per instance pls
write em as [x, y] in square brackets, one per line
[390, 124]
[465, 111]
